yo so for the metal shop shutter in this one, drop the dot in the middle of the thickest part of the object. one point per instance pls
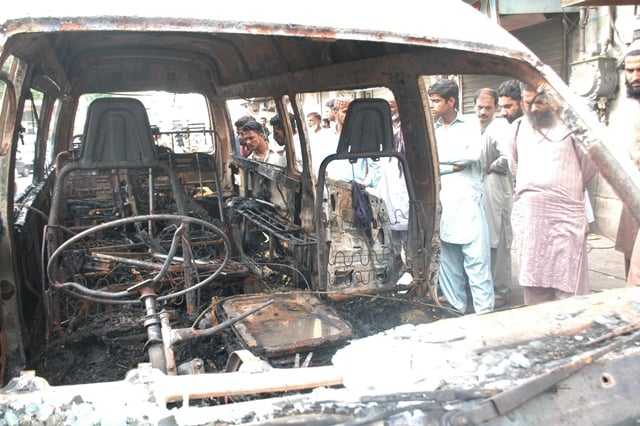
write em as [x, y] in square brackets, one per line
[544, 39]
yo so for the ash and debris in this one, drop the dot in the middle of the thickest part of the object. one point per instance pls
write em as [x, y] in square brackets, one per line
[77, 412]
[410, 358]
[411, 365]
[103, 347]
[391, 338]
[369, 315]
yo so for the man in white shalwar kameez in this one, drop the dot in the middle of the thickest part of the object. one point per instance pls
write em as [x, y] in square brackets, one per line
[392, 188]
[463, 228]
[497, 191]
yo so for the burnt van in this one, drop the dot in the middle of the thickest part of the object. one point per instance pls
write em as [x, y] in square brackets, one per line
[194, 246]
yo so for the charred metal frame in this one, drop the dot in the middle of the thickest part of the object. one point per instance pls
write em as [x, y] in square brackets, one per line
[357, 142]
[236, 57]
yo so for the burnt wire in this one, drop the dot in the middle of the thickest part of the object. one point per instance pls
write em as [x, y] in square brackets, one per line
[35, 210]
[590, 247]
[412, 301]
[284, 265]
[397, 214]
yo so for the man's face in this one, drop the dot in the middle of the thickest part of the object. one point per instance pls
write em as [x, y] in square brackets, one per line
[393, 106]
[240, 135]
[341, 114]
[278, 135]
[485, 108]
[632, 76]
[330, 113]
[510, 108]
[439, 105]
[313, 122]
[538, 109]
[253, 139]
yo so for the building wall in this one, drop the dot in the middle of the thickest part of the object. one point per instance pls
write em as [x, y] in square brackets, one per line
[607, 32]
[603, 31]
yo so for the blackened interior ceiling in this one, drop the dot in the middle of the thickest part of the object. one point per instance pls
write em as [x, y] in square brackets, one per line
[183, 62]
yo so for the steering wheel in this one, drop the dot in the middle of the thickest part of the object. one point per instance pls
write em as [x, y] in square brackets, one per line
[150, 266]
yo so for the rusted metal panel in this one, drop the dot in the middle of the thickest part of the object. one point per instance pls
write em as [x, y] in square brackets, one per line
[290, 18]
[231, 47]
[295, 322]
[602, 393]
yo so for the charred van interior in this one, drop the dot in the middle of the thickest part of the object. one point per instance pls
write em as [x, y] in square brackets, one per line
[134, 224]
[170, 251]
[161, 242]
[143, 241]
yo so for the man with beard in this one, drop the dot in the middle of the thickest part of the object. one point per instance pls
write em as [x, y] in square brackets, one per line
[548, 217]
[509, 98]
[631, 61]
[497, 191]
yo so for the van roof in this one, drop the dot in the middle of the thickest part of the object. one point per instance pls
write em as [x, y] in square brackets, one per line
[424, 23]
[181, 48]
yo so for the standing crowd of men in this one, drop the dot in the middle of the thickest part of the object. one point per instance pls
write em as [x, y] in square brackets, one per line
[517, 180]
[530, 177]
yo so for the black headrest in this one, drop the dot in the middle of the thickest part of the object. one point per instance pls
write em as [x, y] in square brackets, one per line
[117, 130]
[367, 128]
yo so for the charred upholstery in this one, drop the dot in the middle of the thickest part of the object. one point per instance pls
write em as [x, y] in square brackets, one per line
[369, 266]
[118, 178]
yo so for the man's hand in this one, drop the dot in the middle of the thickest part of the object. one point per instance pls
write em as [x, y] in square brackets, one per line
[458, 167]
[498, 172]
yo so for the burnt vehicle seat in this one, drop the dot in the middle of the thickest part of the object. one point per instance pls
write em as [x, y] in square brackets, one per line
[363, 265]
[117, 130]
[367, 131]
[198, 176]
[117, 176]
[120, 232]
[116, 169]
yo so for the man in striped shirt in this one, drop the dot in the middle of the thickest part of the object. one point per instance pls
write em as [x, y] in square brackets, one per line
[548, 217]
